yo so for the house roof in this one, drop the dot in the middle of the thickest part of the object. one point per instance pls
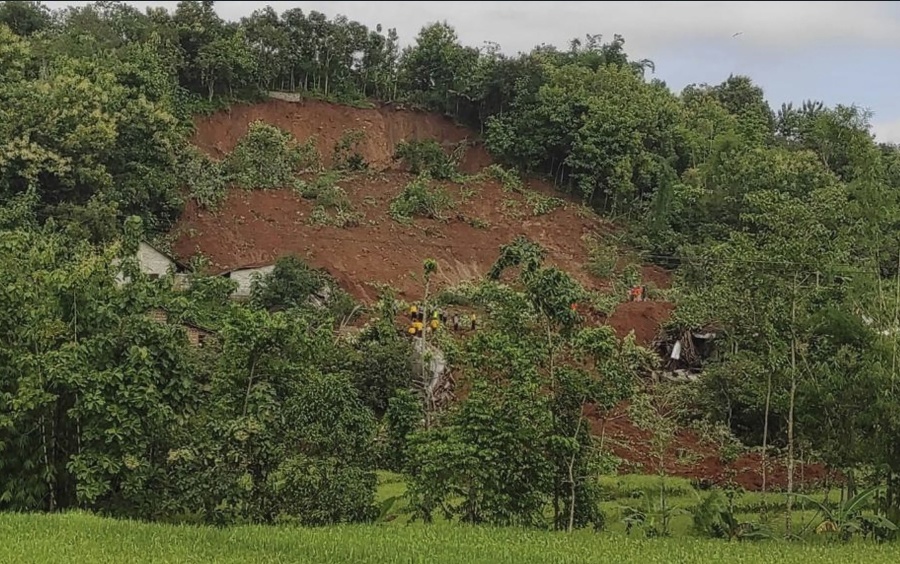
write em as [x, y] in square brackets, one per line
[251, 266]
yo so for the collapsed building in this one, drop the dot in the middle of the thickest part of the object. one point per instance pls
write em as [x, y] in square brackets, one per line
[684, 353]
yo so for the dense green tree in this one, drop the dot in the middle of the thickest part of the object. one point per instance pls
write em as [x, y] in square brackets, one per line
[24, 18]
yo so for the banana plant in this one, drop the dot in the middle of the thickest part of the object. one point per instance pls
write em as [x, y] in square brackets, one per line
[847, 519]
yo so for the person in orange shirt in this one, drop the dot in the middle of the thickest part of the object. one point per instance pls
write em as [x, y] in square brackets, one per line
[636, 294]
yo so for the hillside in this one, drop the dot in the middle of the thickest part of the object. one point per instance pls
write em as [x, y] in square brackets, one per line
[256, 227]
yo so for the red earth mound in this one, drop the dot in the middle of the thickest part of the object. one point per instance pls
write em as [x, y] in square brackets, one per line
[254, 227]
[689, 456]
[384, 127]
[644, 318]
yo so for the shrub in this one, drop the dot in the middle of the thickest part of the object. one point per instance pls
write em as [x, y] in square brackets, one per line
[268, 157]
[508, 178]
[346, 151]
[293, 283]
[325, 181]
[540, 204]
[333, 207]
[422, 199]
[427, 157]
[203, 177]
[512, 209]
[602, 258]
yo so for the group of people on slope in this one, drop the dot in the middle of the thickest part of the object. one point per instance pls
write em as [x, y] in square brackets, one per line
[439, 318]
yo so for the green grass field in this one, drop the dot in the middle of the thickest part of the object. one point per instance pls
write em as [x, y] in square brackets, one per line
[620, 492]
[81, 538]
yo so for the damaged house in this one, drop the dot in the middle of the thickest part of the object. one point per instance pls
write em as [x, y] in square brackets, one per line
[197, 335]
[157, 264]
[244, 277]
[684, 352]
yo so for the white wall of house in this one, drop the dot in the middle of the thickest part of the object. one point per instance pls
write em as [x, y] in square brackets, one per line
[152, 263]
[244, 277]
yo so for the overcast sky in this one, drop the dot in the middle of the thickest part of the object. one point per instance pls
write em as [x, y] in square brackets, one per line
[837, 52]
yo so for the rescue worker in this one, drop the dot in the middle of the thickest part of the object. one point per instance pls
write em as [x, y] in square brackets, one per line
[456, 322]
[435, 321]
[419, 327]
[635, 294]
[473, 322]
[413, 312]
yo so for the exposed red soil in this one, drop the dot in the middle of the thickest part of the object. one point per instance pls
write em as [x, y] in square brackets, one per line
[256, 227]
[384, 127]
[689, 456]
[644, 318]
[653, 275]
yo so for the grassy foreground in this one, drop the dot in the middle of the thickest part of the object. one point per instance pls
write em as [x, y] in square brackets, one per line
[81, 538]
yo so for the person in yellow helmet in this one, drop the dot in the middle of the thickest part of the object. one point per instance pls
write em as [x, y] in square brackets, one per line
[473, 322]
[418, 326]
[413, 311]
[435, 321]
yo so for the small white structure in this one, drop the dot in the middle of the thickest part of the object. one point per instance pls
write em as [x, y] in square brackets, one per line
[245, 276]
[154, 263]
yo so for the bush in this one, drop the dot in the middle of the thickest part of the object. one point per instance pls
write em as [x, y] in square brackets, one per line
[325, 181]
[507, 177]
[203, 177]
[602, 258]
[322, 491]
[427, 157]
[293, 283]
[339, 217]
[402, 417]
[346, 151]
[268, 157]
[422, 199]
[383, 365]
[540, 204]
[333, 207]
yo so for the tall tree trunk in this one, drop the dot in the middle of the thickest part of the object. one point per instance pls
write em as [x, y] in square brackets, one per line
[249, 384]
[572, 488]
[48, 467]
[765, 441]
[790, 429]
[896, 325]
[426, 376]
[557, 521]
